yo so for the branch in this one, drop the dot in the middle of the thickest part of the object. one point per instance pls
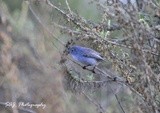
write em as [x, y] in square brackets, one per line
[119, 103]
[68, 7]
[95, 103]
[92, 34]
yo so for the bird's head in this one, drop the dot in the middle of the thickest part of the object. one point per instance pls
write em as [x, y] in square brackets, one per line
[73, 50]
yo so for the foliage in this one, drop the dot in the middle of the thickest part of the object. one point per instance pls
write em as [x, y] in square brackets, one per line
[35, 36]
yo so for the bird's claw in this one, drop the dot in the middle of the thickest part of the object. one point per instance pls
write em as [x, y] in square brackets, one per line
[93, 71]
[84, 67]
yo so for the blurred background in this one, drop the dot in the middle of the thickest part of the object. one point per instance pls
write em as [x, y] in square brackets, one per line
[35, 67]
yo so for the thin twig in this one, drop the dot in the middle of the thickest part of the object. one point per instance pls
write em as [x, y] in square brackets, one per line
[68, 6]
[43, 25]
[95, 103]
[119, 103]
[67, 29]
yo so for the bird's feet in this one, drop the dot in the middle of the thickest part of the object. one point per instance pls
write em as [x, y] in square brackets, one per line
[94, 69]
[115, 79]
[84, 67]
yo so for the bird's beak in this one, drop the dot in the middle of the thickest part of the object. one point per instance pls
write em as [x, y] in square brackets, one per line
[68, 50]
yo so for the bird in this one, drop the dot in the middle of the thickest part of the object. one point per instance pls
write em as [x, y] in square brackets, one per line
[86, 56]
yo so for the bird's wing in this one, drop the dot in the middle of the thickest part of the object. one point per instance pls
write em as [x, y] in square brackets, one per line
[92, 54]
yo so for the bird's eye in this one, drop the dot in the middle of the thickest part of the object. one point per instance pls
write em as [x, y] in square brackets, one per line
[72, 50]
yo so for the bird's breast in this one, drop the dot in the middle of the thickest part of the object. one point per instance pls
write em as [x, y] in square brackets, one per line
[85, 60]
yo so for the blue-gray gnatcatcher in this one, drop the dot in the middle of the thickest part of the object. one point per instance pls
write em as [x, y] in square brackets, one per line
[84, 55]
